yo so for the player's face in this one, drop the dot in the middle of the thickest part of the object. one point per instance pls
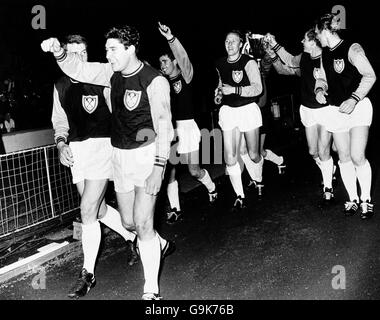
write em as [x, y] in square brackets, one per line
[322, 36]
[117, 55]
[79, 48]
[308, 44]
[166, 65]
[233, 44]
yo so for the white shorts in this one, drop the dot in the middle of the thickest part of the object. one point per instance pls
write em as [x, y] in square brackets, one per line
[189, 136]
[311, 117]
[245, 118]
[92, 159]
[132, 167]
[341, 122]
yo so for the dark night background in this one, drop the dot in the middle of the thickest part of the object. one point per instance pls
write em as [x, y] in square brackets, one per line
[199, 25]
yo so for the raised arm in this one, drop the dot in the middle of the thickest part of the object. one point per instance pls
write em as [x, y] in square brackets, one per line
[284, 69]
[278, 65]
[71, 64]
[285, 56]
[179, 52]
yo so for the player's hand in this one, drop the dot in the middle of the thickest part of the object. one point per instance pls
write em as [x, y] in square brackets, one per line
[51, 45]
[165, 31]
[154, 181]
[269, 51]
[270, 40]
[347, 106]
[218, 95]
[65, 154]
[218, 99]
[227, 89]
[320, 96]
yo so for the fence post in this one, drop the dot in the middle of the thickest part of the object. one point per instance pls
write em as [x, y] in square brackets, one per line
[49, 183]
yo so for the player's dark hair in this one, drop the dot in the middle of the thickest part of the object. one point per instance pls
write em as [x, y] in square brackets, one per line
[74, 38]
[312, 36]
[168, 53]
[127, 35]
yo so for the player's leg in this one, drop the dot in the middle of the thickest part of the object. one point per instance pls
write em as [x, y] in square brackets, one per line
[326, 162]
[347, 171]
[312, 143]
[249, 165]
[107, 214]
[148, 241]
[361, 119]
[125, 211]
[229, 122]
[308, 119]
[231, 139]
[138, 165]
[252, 141]
[249, 123]
[189, 137]
[112, 219]
[92, 193]
[175, 212]
[262, 143]
[267, 153]
[358, 143]
[201, 174]
[126, 204]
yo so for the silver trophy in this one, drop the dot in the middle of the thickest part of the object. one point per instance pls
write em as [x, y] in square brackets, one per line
[254, 45]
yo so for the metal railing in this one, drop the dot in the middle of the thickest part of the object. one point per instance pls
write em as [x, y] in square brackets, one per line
[34, 188]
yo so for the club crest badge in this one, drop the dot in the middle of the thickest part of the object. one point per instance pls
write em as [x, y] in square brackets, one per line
[237, 76]
[90, 103]
[132, 99]
[338, 65]
[316, 73]
[177, 86]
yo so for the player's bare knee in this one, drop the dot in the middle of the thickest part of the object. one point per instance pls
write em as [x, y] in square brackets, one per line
[313, 152]
[129, 225]
[324, 155]
[230, 160]
[88, 212]
[255, 156]
[344, 157]
[358, 160]
[144, 228]
[243, 151]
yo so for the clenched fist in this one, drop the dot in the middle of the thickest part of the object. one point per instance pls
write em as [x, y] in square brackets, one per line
[270, 40]
[51, 45]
